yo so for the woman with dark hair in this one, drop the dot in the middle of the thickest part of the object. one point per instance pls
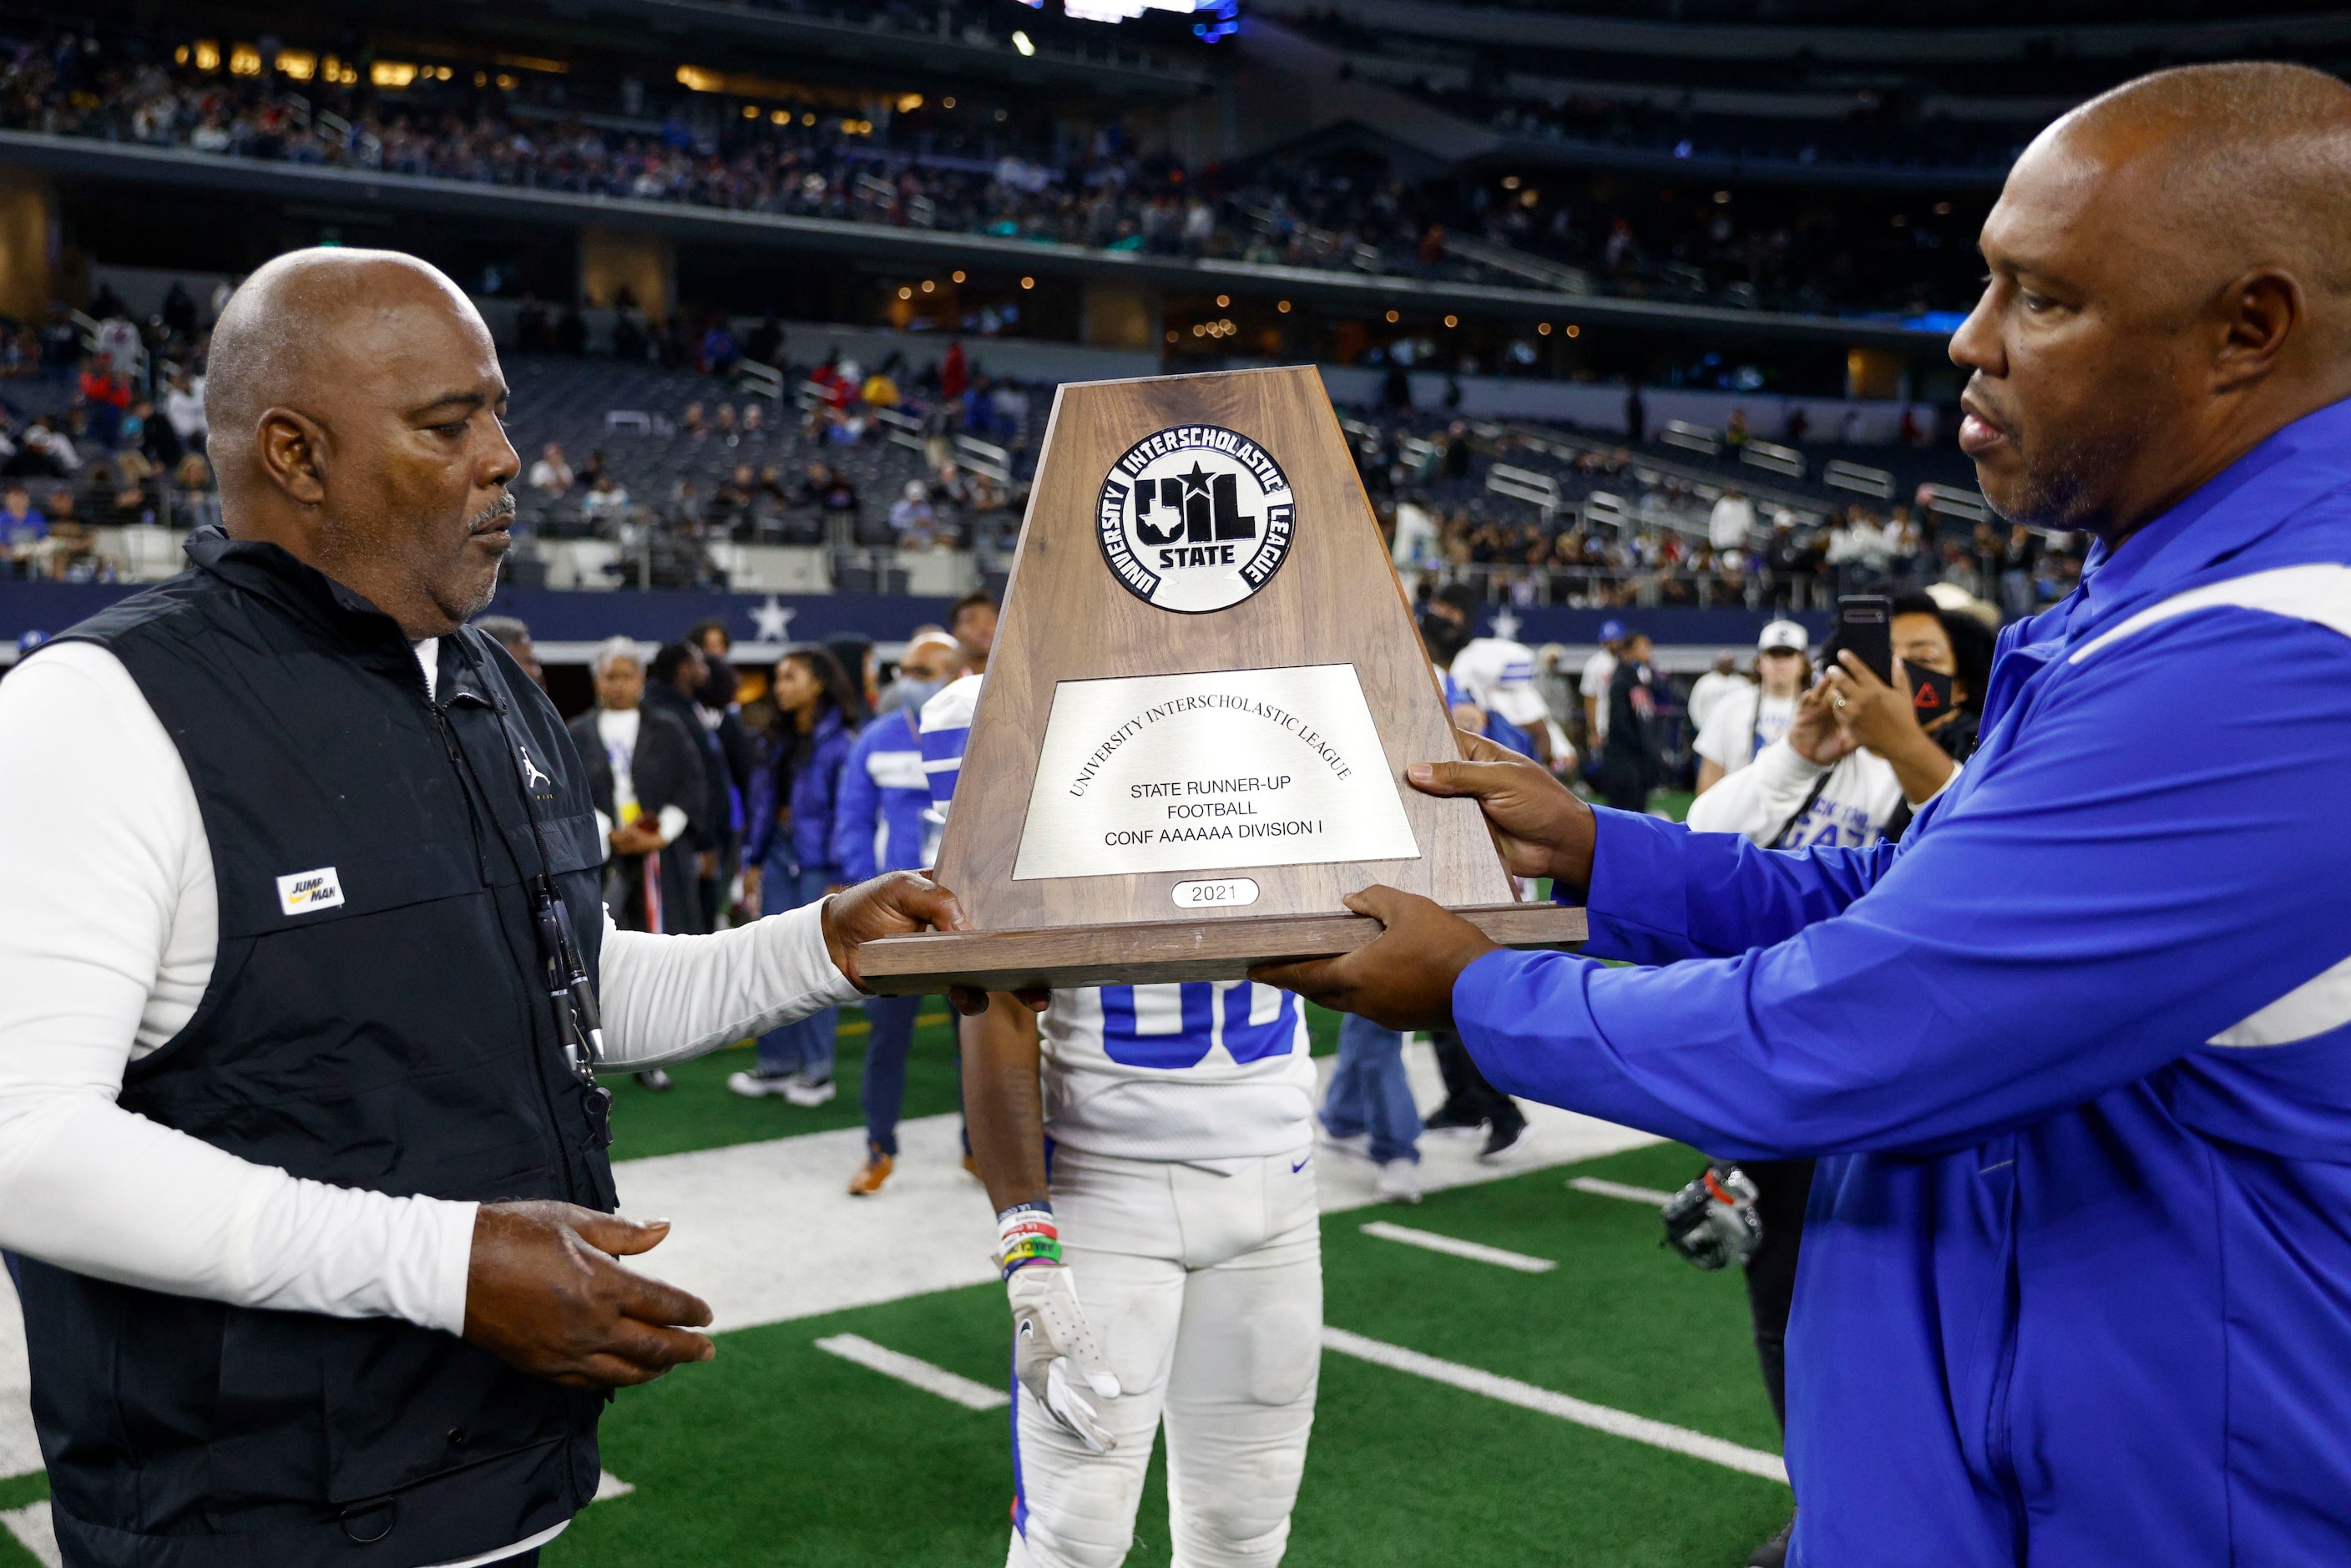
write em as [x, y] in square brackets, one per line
[787, 850]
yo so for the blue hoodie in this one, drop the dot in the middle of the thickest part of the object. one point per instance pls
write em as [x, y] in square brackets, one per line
[2077, 1283]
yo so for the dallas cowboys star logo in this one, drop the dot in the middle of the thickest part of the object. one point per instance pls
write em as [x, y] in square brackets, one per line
[773, 619]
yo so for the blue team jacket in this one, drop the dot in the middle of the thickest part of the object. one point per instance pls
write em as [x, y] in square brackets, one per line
[878, 818]
[810, 792]
[2076, 1286]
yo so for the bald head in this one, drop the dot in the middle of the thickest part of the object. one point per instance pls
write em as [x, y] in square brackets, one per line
[295, 330]
[2246, 164]
[2171, 284]
[354, 400]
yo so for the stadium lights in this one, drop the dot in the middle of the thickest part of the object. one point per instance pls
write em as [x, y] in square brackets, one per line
[947, 103]
[956, 275]
[390, 73]
[1172, 334]
[1722, 198]
[1393, 318]
[1942, 209]
[750, 111]
[1224, 302]
[1452, 321]
[207, 55]
[245, 60]
[1510, 182]
[1282, 306]
[808, 118]
[780, 117]
[1573, 330]
[1028, 283]
[929, 286]
[906, 293]
[1021, 42]
[299, 64]
[1544, 328]
[910, 102]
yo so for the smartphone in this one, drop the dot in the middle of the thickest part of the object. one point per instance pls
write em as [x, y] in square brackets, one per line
[1865, 625]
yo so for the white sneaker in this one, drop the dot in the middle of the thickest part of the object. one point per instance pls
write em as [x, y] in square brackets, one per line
[800, 1092]
[1357, 1145]
[1399, 1181]
[760, 1085]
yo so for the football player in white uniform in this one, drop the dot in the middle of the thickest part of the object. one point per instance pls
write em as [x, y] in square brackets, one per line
[1148, 1150]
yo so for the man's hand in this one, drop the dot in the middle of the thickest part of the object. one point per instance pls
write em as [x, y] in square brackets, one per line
[1053, 1349]
[1402, 978]
[543, 1295]
[635, 838]
[1546, 830]
[896, 903]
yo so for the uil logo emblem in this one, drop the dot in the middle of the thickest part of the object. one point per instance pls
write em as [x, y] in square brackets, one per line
[1195, 518]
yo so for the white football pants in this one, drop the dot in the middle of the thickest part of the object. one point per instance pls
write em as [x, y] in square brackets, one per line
[1205, 1290]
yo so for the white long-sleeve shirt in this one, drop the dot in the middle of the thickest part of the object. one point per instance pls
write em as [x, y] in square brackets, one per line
[109, 927]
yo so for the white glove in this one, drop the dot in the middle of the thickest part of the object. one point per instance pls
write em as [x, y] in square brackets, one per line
[1053, 1349]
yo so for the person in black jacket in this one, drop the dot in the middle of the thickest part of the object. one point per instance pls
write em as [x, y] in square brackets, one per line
[1630, 767]
[377, 1322]
[646, 778]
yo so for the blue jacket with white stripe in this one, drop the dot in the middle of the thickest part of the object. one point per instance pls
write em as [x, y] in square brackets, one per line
[879, 817]
[2076, 1284]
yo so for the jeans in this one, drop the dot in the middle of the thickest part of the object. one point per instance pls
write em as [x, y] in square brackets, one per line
[806, 1047]
[1369, 1092]
[884, 1086]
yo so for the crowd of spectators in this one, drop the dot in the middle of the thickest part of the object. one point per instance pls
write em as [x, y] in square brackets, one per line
[1666, 540]
[798, 161]
[100, 424]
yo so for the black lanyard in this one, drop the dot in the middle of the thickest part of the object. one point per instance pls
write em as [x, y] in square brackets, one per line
[570, 992]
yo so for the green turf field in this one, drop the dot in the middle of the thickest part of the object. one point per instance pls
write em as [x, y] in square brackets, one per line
[777, 1452]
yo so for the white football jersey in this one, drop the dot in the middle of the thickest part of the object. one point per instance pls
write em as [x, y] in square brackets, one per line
[1200, 1072]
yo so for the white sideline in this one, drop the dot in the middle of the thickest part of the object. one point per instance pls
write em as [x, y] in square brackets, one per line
[1476, 1251]
[922, 1375]
[766, 1232]
[610, 1485]
[1602, 1188]
[35, 1532]
[1527, 1397]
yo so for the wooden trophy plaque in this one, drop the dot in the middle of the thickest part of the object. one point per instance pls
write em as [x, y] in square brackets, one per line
[1205, 690]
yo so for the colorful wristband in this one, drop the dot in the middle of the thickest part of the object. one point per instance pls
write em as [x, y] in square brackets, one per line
[1026, 1234]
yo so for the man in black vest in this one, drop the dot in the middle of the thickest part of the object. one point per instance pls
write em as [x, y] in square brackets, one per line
[300, 1140]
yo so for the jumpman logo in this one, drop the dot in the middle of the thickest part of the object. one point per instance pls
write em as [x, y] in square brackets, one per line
[531, 776]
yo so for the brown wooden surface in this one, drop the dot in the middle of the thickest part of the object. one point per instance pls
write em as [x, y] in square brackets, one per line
[1336, 600]
[1164, 951]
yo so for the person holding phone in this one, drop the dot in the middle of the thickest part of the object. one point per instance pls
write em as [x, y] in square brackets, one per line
[1861, 754]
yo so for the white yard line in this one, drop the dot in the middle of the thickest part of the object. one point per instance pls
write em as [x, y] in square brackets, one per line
[766, 1232]
[922, 1375]
[1600, 1187]
[1476, 1251]
[34, 1529]
[610, 1485]
[1527, 1397]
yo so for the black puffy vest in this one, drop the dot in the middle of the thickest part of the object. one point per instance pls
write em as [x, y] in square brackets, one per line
[399, 1041]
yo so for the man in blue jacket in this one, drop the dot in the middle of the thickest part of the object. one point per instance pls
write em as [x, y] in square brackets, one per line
[882, 820]
[2076, 1286]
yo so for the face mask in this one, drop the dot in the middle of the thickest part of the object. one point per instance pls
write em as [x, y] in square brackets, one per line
[1930, 695]
[910, 693]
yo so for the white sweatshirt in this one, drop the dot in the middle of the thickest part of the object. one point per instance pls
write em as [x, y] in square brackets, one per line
[109, 926]
[1850, 811]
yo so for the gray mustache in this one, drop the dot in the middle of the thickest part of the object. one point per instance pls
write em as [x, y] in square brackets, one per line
[488, 517]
